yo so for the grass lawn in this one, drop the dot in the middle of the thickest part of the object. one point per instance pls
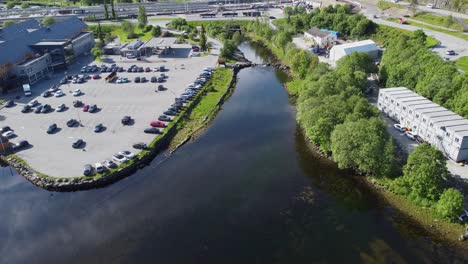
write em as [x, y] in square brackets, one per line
[159, 18]
[445, 31]
[206, 108]
[436, 20]
[384, 5]
[462, 63]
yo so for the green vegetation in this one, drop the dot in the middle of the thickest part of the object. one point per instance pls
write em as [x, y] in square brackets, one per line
[126, 32]
[159, 18]
[385, 35]
[462, 63]
[47, 21]
[384, 5]
[207, 108]
[407, 63]
[445, 31]
[443, 21]
[142, 18]
[450, 205]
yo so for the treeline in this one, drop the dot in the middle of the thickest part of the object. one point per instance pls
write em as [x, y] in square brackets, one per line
[406, 62]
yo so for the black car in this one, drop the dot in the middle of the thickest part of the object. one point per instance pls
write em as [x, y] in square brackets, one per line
[77, 103]
[87, 170]
[178, 104]
[143, 79]
[46, 94]
[162, 69]
[160, 79]
[137, 79]
[26, 109]
[154, 79]
[98, 128]
[9, 103]
[173, 109]
[164, 118]
[129, 69]
[134, 69]
[21, 144]
[126, 120]
[63, 81]
[151, 130]
[5, 129]
[46, 108]
[52, 129]
[170, 113]
[69, 77]
[78, 143]
[103, 69]
[140, 69]
[140, 145]
[71, 122]
[93, 108]
[38, 109]
[121, 69]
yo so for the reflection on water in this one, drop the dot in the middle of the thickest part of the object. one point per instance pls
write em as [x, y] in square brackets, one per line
[249, 190]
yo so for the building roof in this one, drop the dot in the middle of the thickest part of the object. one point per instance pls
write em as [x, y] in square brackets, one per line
[359, 46]
[51, 43]
[18, 38]
[451, 123]
[446, 118]
[160, 42]
[317, 32]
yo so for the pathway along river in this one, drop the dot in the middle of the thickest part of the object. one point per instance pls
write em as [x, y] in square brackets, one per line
[247, 191]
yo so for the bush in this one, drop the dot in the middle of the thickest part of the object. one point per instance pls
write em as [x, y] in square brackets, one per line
[132, 35]
[148, 28]
[450, 204]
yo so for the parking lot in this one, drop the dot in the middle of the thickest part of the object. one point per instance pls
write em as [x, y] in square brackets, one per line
[53, 154]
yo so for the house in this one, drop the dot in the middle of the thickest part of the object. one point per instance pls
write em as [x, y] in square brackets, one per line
[436, 125]
[30, 51]
[320, 38]
[368, 46]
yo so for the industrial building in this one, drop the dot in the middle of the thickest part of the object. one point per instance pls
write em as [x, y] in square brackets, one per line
[436, 125]
[163, 47]
[321, 38]
[367, 46]
[30, 51]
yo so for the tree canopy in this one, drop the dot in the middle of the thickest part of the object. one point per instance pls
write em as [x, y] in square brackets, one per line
[47, 21]
[450, 204]
[142, 18]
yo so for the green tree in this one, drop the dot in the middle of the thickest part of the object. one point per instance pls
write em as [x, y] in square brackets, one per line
[106, 11]
[425, 172]
[6, 23]
[97, 52]
[156, 31]
[128, 28]
[99, 33]
[10, 5]
[360, 144]
[24, 5]
[449, 21]
[450, 204]
[420, 37]
[114, 16]
[203, 41]
[47, 21]
[237, 38]
[142, 18]
[228, 49]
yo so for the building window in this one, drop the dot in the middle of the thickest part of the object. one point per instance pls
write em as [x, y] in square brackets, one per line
[397, 104]
[404, 107]
[391, 101]
[417, 116]
[457, 140]
[424, 120]
[431, 125]
[447, 134]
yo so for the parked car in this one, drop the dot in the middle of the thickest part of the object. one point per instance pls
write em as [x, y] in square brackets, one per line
[156, 123]
[77, 103]
[64, 81]
[151, 130]
[87, 170]
[52, 128]
[164, 118]
[98, 128]
[155, 69]
[26, 109]
[60, 108]
[127, 154]
[140, 69]
[46, 109]
[96, 76]
[33, 103]
[59, 93]
[119, 158]
[9, 103]
[5, 129]
[71, 122]
[77, 92]
[109, 164]
[99, 167]
[154, 79]
[93, 108]
[46, 94]
[140, 145]
[38, 109]
[143, 79]
[410, 135]
[86, 108]
[162, 68]
[399, 127]
[78, 143]
[450, 52]
[147, 69]
[21, 144]
[430, 5]
[9, 134]
[137, 79]
[170, 113]
[161, 87]
[126, 120]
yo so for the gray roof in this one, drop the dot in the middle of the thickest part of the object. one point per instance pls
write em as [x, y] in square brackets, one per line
[317, 32]
[17, 40]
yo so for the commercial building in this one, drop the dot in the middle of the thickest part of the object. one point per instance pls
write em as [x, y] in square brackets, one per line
[30, 51]
[321, 38]
[367, 46]
[164, 47]
[436, 125]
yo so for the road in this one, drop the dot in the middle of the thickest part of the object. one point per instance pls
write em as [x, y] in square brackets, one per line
[447, 42]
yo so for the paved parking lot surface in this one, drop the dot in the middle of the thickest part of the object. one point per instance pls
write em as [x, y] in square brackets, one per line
[53, 154]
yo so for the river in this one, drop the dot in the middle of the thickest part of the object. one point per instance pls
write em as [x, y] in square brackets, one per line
[249, 190]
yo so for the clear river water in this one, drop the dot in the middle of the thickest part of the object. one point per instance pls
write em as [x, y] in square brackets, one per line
[249, 190]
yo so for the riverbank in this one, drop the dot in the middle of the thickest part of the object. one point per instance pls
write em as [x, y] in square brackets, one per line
[438, 229]
[222, 79]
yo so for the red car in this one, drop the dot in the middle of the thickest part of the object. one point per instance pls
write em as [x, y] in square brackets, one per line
[96, 76]
[157, 124]
[147, 69]
[85, 108]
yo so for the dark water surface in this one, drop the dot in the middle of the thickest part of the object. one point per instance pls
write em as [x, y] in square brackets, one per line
[248, 191]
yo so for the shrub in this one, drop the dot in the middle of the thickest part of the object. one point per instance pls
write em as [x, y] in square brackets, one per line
[450, 204]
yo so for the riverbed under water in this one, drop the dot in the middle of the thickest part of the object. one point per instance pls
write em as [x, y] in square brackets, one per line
[249, 190]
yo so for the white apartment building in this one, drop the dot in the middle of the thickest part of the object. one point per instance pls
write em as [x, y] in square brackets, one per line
[438, 126]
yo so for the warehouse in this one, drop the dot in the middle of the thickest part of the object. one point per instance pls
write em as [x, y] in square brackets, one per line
[436, 125]
[367, 46]
[321, 38]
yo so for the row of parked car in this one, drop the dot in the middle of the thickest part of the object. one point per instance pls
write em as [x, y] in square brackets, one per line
[7, 132]
[408, 133]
